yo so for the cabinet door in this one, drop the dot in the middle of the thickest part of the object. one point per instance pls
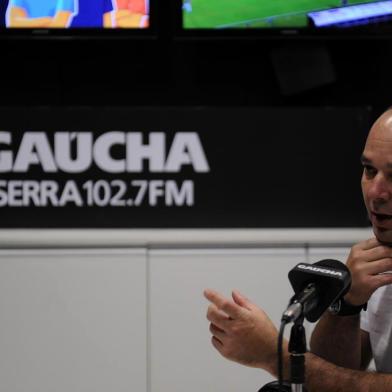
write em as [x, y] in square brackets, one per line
[73, 320]
[182, 357]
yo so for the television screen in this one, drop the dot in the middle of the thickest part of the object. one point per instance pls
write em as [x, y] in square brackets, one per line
[284, 14]
[74, 14]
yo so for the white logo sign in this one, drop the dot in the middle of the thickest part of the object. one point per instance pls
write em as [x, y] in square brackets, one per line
[35, 149]
[321, 270]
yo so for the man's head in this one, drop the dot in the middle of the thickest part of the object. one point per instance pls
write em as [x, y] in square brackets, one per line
[377, 177]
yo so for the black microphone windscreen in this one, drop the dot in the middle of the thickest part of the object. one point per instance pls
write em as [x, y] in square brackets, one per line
[331, 263]
[331, 278]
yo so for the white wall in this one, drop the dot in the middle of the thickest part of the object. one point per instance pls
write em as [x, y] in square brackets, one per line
[133, 319]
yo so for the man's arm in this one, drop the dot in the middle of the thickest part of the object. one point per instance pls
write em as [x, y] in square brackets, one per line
[62, 19]
[243, 333]
[19, 18]
[346, 344]
[323, 376]
[127, 19]
[109, 19]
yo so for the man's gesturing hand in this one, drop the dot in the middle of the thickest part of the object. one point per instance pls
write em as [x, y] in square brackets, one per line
[368, 261]
[241, 331]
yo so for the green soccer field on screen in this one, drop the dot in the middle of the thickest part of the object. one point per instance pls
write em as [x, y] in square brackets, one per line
[255, 13]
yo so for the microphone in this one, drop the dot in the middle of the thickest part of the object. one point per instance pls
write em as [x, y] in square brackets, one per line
[317, 286]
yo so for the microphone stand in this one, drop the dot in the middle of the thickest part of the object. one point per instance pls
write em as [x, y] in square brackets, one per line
[297, 350]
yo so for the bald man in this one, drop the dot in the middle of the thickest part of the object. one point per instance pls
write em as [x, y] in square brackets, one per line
[346, 339]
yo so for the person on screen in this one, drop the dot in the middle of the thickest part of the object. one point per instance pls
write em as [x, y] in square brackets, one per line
[345, 340]
[40, 13]
[132, 13]
[94, 14]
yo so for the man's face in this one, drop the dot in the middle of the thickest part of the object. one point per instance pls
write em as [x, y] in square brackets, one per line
[377, 177]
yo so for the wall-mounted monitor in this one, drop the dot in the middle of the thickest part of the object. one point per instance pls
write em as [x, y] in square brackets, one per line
[309, 17]
[76, 18]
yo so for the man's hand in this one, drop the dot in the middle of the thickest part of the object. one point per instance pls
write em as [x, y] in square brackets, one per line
[368, 263]
[241, 331]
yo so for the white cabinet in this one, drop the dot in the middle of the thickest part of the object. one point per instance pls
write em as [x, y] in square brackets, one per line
[182, 358]
[73, 320]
